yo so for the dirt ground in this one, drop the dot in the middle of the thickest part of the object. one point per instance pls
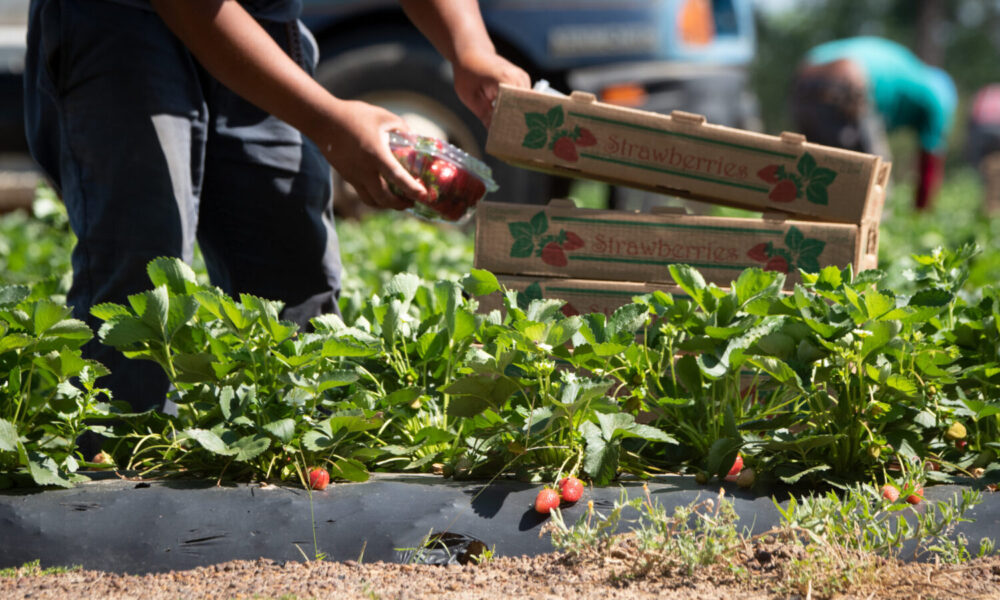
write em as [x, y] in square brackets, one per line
[765, 574]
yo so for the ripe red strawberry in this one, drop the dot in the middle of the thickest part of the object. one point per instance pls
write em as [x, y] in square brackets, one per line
[961, 444]
[573, 241]
[777, 263]
[586, 138]
[785, 191]
[769, 173]
[546, 500]
[759, 252]
[318, 478]
[916, 495]
[890, 492]
[552, 254]
[565, 149]
[734, 471]
[571, 489]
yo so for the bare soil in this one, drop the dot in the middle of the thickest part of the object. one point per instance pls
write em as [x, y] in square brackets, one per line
[759, 573]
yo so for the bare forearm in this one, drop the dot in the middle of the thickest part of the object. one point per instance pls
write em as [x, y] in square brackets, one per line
[455, 27]
[231, 45]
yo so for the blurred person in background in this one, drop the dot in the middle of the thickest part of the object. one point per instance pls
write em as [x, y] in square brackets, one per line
[983, 143]
[849, 93]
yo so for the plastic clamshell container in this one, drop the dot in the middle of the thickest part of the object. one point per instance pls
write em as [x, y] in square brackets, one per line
[455, 181]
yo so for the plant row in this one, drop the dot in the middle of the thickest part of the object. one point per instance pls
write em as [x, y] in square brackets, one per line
[837, 382]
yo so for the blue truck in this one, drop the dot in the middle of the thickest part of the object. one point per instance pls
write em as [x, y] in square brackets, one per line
[656, 55]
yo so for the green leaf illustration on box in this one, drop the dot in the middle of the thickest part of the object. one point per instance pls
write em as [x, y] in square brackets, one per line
[799, 252]
[545, 130]
[532, 292]
[531, 238]
[809, 180]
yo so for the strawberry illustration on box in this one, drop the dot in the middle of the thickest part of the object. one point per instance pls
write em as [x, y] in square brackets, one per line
[531, 238]
[547, 129]
[809, 179]
[800, 252]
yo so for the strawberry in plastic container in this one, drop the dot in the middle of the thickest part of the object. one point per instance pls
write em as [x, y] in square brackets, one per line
[455, 181]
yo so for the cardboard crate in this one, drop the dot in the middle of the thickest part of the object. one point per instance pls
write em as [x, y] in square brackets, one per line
[560, 240]
[684, 156]
[582, 296]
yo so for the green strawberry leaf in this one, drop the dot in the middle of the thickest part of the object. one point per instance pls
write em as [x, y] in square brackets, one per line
[480, 283]
[8, 436]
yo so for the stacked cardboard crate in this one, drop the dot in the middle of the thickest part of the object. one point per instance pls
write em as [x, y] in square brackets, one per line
[821, 205]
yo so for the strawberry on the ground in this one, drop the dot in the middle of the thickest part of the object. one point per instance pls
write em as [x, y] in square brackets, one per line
[546, 500]
[318, 478]
[890, 492]
[759, 252]
[586, 138]
[734, 471]
[565, 149]
[573, 241]
[785, 191]
[769, 173]
[552, 254]
[571, 489]
[777, 263]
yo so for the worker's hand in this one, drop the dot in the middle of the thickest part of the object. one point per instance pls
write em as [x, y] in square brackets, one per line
[478, 77]
[357, 146]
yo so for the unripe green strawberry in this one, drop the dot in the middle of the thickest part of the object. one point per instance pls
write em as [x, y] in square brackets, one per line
[956, 431]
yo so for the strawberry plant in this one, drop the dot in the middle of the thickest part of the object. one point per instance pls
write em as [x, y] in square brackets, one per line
[48, 392]
[252, 391]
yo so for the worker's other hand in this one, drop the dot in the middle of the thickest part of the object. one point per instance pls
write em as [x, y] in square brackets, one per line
[358, 148]
[478, 77]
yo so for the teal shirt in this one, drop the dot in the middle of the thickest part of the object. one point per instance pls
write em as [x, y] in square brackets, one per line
[905, 91]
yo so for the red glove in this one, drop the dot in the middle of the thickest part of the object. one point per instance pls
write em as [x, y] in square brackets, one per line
[931, 174]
